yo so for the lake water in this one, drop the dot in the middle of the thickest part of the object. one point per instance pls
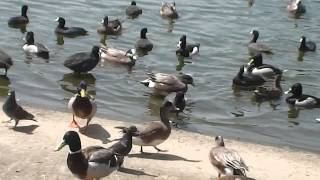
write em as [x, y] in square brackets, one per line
[222, 28]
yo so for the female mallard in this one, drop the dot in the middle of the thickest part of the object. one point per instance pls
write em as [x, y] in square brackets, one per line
[247, 80]
[30, 47]
[306, 45]
[118, 56]
[155, 133]
[133, 10]
[226, 161]
[168, 10]
[68, 31]
[5, 61]
[143, 44]
[187, 50]
[267, 93]
[301, 100]
[93, 162]
[257, 67]
[254, 47]
[83, 61]
[83, 106]
[20, 20]
[163, 84]
[113, 27]
[296, 7]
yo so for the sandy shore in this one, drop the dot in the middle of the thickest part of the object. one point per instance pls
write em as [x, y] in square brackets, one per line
[27, 153]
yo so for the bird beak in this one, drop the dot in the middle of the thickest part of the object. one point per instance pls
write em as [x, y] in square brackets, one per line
[60, 146]
[57, 19]
[83, 93]
[251, 32]
[134, 57]
[301, 40]
[102, 21]
[179, 44]
[287, 92]
[250, 62]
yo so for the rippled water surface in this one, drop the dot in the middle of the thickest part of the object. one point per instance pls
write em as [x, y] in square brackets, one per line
[222, 28]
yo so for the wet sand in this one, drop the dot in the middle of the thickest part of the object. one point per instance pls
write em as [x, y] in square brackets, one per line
[26, 152]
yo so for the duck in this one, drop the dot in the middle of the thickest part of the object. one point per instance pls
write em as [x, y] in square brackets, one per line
[268, 93]
[22, 20]
[156, 132]
[234, 177]
[124, 145]
[83, 61]
[68, 31]
[163, 84]
[118, 55]
[30, 47]
[226, 161]
[306, 45]
[14, 111]
[248, 79]
[82, 105]
[301, 100]
[92, 162]
[113, 27]
[255, 47]
[168, 10]
[133, 10]
[256, 67]
[143, 44]
[296, 7]
[187, 50]
[5, 61]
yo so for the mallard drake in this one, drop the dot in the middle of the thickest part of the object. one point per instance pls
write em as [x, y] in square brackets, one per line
[30, 47]
[118, 55]
[163, 84]
[168, 10]
[83, 106]
[5, 61]
[133, 10]
[187, 50]
[296, 7]
[20, 20]
[143, 44]
[306, 45]
[83, 61]
[257, 67]
[68, 31]
[248, 79]
[301, 100]
[226, 161]
[255, 47]
[14, 111]
[156, 132]
[123, 147]
[92, 162]
[234, 177]
[266, 93]
[113, 27]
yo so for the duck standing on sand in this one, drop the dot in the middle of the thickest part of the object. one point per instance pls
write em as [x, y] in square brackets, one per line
[156, 132]
[92, 162]
[83, 106]
[84, 61]
[15, 112]
[19, 21]
[226, 161]
[5, 61]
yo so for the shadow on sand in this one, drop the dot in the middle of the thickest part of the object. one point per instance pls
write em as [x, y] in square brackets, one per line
[161, 156]
[25, 129]
[96, 131]
[135, 172]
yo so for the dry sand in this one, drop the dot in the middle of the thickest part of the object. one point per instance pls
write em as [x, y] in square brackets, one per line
[27, 153]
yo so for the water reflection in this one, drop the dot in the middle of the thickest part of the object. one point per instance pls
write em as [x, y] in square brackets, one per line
[60, 40]
[250, 3]
[4, 85]
[293, 112]
[300, 56]
[23, 28]
[71, 81]
[170, 25]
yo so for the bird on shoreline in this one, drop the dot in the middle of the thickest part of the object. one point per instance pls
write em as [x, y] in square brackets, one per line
[21, 20]
[68, 31]
[83, 106]
[92, 162]
[5, 61]
[156, 132]
[83, 62]
[14, 111]
[164, 84]
[226, 161]
[31, 47]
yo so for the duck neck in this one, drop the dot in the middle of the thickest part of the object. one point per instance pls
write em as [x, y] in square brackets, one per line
[61, 24]
[254, 38]
[143, 35]
[164, 116]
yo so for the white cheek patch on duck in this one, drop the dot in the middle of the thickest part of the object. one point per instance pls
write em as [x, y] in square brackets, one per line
[30, 48]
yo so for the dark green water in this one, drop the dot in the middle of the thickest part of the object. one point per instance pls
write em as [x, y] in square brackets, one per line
[222, 28]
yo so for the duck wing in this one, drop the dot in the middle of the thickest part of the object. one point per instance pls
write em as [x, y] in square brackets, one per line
[5, 58]
[311, 45]
[41, 47]
[20, 113]
[78, 59]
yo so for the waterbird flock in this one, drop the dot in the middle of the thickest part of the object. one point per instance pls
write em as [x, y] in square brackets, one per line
[94, 162]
